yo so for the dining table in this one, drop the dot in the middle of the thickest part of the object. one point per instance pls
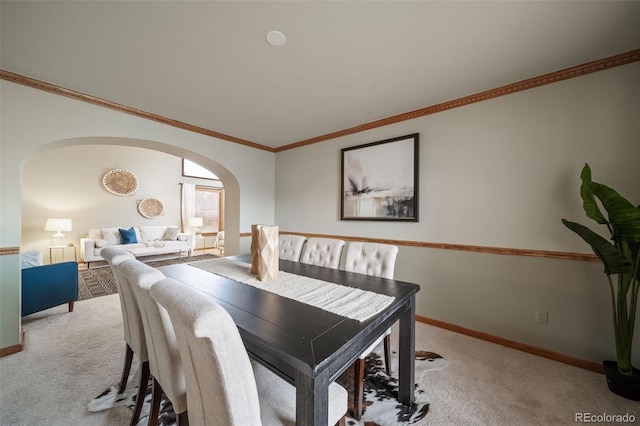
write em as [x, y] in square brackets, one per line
[310, 347]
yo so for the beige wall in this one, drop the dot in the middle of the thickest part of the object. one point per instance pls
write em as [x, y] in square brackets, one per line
[499, 173]
[34, 124]
[67, 182]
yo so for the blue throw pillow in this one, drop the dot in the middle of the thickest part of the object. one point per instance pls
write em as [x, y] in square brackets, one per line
[128, 235]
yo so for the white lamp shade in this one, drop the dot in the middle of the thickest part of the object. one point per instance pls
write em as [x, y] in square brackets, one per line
[58, 225]
[196, 221]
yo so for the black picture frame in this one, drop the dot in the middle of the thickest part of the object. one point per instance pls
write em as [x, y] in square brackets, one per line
[380, 180]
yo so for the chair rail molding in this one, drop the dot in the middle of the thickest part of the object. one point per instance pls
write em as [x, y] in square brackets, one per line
[5, 251]
[460, 247]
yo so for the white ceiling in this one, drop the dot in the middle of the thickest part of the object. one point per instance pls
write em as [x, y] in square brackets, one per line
[344, 64]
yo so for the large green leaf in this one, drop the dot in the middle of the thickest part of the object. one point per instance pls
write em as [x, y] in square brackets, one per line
[635, 248]
[588, 200]
[623, 216]
[614, 261]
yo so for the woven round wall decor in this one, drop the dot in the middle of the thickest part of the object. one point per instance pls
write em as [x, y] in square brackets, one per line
[120, 182]
[151, 208]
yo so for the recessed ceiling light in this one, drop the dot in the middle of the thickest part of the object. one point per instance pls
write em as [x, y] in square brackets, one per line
[275, 38]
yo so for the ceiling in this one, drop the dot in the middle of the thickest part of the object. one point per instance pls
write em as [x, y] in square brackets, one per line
[345, 63]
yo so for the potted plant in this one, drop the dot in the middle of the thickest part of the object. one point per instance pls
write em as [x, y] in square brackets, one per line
[621, 258]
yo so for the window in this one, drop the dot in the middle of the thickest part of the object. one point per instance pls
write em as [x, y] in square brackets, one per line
[191, 169]
[209, 198]
[209, 207]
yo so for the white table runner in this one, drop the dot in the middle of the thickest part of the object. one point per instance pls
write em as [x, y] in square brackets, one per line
[349, 302]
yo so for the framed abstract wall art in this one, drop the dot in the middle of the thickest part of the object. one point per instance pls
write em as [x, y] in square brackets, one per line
[380, 180]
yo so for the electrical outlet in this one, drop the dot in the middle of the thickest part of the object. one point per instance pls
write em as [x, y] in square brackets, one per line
[542, 317]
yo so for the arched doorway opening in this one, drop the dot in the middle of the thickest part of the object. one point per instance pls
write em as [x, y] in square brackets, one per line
[78, 165]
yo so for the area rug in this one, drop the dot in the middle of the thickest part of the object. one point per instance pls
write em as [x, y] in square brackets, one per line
[95, 282]
[380, 407]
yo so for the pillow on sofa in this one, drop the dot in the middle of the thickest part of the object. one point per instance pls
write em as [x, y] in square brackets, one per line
[128, 235]
[171, 234]
[100, 243]
[29, 259]
[112, 235]
[181, 237]
[94, 234]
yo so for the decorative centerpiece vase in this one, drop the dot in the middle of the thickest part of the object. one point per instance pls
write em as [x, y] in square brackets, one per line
[265, 252]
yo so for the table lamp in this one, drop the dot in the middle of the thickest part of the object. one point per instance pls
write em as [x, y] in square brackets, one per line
[58, 225]
[195, 223]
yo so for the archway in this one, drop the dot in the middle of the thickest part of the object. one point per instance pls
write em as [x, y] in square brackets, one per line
[232, 196]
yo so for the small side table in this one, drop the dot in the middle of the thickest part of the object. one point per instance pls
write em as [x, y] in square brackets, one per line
[196, 243]
[62, 248]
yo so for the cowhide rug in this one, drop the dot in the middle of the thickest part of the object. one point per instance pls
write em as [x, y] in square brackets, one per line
[380, 407]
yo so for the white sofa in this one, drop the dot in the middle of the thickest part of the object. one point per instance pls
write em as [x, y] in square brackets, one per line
[148, 240]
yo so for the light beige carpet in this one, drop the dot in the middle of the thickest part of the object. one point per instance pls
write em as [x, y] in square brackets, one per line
[69, 357]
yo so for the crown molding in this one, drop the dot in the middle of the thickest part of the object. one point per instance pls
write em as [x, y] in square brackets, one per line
[554, 77]
[531, 83]
[79, 96]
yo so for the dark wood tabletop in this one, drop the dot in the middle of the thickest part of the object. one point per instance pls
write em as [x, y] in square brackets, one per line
[308, 346]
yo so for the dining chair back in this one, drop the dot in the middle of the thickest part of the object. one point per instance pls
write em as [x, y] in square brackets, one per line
[373, 259]
[377, 260]
[223, 385]
[322, 252]
[291, 246]
[164, 361]
[133, 332]
[135, 342]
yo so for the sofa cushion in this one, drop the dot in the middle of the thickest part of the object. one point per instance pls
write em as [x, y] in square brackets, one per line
[170, 247]
[171, 234]
[128, 235]
[152, 233]
[128, 247]
[101, 243]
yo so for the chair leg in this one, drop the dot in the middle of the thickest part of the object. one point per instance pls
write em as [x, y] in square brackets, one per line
[358, 388]
[142, 392]
[387, 353]
[156, 397]
[182, 419]
[126, 368]
[342, 421]
[71, 306]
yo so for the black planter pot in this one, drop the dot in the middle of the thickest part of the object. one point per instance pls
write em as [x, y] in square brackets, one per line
[625, 386]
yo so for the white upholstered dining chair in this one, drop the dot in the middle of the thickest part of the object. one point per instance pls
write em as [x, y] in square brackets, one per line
[376, 260]
[165, 368]
[223, 386]
[290, 246]
[322, 252]
[135, 342]
[219, 243]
